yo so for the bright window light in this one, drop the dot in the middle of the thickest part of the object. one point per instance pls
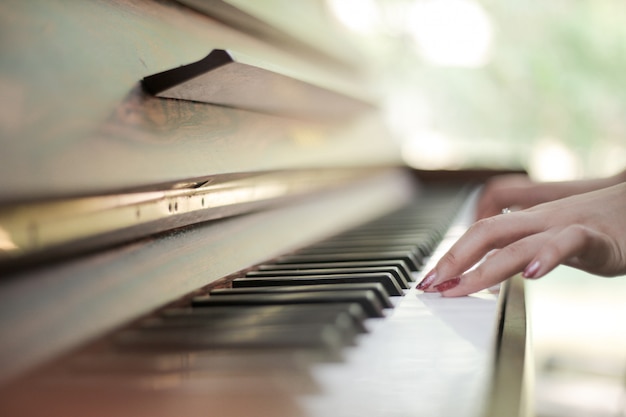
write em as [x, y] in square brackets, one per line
[551, 160]
[429, 150]
[361, 16]
[451, 32]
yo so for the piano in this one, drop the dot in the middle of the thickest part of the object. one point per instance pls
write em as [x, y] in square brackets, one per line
[202, 213]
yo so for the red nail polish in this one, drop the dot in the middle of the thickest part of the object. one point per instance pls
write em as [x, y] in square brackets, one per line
[428, 279]
[447, 285]
[531, 270]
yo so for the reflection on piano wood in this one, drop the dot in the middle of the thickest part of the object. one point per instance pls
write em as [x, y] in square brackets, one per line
[170, 257]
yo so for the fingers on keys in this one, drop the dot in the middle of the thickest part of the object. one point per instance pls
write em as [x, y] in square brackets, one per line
[511, 241]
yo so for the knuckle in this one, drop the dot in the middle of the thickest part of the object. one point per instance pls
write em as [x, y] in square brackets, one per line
[449, 260]
[514, 251]
[482, 226]
[481, 277]
[551, 252]
[477, 275]
[575, 237]
[579, 232]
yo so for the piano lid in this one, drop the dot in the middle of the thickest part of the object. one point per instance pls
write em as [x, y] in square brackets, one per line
[76, 122]
[228, 79]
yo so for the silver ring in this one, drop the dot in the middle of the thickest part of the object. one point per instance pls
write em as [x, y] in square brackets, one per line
[506, 210]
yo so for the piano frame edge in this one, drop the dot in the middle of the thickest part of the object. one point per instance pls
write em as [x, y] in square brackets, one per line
[512, 377]
[40, 231]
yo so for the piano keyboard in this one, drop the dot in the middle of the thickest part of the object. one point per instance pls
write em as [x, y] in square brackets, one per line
[286, 337]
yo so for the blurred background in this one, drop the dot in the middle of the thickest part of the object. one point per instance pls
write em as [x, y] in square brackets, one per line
[538, 85]
[492, 83]
[535, 84]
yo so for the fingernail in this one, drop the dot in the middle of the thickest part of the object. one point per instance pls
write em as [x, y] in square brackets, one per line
[531, 270]
[449, 284]
[428, 279]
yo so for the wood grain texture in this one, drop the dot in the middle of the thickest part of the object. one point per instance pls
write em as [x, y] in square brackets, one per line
[74, 120]
[226, 79]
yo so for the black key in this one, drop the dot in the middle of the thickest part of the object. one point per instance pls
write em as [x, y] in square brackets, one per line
[298, 336]
[339, 317]
[320, 250]
[387, 280]
[420, 251]
[215, 361]
[376, 287]
[416, 242]
[384, 241]
[339, 320]
[406, 256]
[354, 310]
[383, 238]
[400, 266]
[407, 228]
[367, 300]
[333, 271]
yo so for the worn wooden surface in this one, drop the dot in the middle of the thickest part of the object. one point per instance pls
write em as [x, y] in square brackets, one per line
[74, 121]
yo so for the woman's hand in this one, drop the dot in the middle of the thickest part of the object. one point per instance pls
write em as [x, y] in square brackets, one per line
[586, 231]
[520, 192]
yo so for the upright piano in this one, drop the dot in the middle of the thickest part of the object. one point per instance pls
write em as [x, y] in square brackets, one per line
[202, 213]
